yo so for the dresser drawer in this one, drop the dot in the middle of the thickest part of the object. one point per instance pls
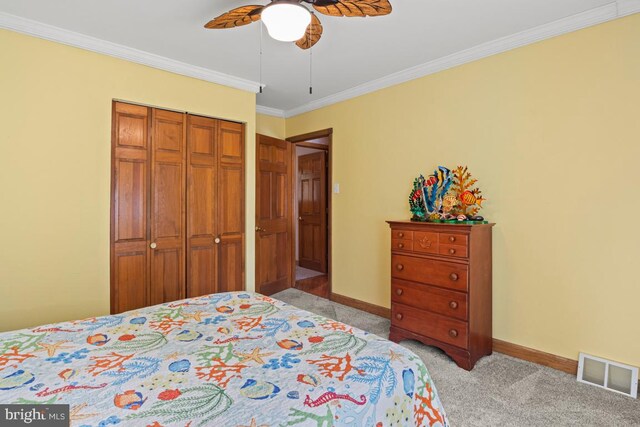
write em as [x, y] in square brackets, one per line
[425, 242]
[439, 273]
[453, 250]
[402, 244]
[401, 234]
[454, 239]
[448, 303]
[441, 328]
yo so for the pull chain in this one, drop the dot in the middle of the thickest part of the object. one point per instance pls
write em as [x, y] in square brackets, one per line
[261, 56]
[310, 67]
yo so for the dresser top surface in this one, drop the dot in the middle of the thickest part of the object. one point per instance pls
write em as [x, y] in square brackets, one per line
[437, 224]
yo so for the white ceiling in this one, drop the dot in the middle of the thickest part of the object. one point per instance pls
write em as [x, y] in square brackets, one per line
[352, 51]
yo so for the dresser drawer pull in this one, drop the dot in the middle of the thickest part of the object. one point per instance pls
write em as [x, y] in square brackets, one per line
[399, 316]
[452, 251]
[399, 291]
[453, 276]
[399, 267]
[401, 245]
[452, 239]
[401, 234]
[453, 305]
[453, 333]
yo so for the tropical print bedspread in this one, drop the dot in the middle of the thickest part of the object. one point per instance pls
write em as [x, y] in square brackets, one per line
[229, 359]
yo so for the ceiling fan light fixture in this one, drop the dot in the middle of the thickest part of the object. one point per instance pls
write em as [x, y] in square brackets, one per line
[286, 21]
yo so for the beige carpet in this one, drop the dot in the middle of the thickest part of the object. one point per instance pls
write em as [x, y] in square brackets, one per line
[501, 390]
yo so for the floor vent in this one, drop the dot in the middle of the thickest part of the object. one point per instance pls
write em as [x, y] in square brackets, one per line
[609, 375]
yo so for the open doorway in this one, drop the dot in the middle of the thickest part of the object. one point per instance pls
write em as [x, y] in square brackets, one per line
[312, 219]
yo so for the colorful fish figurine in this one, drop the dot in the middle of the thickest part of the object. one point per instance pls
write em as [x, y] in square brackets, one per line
[225, 309]
[290, 344]
[259, 390]
[130, 399]
[309, 379]
[180, 366]
[188, 336]
[98, 339]
[434, 193]
[16, 379]
[469, 199]
[67, 374]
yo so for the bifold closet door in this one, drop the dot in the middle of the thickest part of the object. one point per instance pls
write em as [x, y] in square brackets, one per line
[215, 225]
[148, 207]
[129, 208]
[168, 202]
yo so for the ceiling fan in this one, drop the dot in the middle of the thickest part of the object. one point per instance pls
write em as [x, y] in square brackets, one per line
[290, 20]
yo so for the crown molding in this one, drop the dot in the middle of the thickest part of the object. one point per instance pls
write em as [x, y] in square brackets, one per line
[260, 109]
[579, 21]
[82, 41]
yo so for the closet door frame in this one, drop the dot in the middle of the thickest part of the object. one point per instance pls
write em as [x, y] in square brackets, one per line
[140, 246]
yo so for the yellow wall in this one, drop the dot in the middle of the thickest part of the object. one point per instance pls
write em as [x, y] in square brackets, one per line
[551, 131]
[55, 131]
[270, 126]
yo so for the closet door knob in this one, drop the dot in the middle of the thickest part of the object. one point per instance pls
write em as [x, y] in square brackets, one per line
[217, 240]
[453, 305]
[153, 245]
[453, 276]
[453, 333]
[300, 218]
[399, 267]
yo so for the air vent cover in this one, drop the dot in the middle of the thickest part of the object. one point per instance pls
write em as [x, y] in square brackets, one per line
[609, 375]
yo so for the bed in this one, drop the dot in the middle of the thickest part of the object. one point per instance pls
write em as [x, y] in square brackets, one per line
[229, 359]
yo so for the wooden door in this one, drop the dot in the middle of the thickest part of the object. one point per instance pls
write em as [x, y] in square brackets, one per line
[230, 207]
[129, 207]
[312, 211]
[202, 183]
[274, 269]
[167, 219]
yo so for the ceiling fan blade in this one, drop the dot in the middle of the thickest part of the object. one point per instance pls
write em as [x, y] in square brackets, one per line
[236, 17]
[354, 8]
[312, 35]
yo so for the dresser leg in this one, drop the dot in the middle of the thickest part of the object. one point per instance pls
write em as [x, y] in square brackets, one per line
[462, 361]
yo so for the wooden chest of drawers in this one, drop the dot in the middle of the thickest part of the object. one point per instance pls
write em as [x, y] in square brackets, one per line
[441, 287]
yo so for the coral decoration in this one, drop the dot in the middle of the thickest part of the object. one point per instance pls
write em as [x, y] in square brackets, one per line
[446, 195]
[469, 199]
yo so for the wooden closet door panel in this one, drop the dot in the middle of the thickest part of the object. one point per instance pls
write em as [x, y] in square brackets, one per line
[231, 196]
[168, 201]
[202, 249]
[129, 207]
[231, 264]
